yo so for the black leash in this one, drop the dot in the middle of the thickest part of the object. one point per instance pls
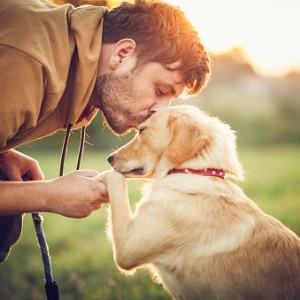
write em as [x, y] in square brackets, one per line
[51, 286]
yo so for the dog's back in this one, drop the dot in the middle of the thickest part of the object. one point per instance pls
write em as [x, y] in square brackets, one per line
[225, 247]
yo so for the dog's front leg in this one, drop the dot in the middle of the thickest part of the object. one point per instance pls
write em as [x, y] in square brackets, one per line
[120, 213]
[117, 191]
[140, 238]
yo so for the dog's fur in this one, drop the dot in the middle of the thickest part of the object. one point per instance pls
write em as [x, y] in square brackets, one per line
[200, 235]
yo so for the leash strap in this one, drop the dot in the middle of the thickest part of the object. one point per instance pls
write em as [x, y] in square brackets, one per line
[51, 286]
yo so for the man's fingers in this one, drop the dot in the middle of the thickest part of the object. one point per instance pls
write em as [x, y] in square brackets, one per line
[88, 173]
[15, 175]
[36, 174]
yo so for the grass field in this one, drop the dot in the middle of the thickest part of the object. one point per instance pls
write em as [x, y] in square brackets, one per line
[81, 255]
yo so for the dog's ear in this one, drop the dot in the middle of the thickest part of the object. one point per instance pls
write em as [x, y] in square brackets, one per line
[186, 139]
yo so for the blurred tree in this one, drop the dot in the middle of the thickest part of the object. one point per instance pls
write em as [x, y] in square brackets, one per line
[230, 65]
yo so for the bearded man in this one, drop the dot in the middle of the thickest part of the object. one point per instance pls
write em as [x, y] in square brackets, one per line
[59, 66]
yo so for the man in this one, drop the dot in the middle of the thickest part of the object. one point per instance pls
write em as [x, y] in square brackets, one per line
[59, 65]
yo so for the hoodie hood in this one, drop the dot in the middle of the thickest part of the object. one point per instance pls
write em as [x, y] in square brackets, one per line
[87, 25]
[52, 52]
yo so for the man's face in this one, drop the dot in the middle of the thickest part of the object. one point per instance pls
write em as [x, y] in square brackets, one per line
[128, 97]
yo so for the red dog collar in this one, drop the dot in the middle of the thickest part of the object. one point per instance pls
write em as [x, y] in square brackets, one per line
[205, 172]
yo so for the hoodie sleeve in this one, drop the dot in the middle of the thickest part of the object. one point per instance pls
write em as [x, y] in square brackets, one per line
[22, 91]
[10, 231]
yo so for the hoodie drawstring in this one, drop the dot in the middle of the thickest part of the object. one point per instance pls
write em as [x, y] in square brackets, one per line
[81, 147]
[65, 149]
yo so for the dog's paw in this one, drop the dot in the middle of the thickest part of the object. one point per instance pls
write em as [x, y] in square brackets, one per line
[109, 175]
[103, 176]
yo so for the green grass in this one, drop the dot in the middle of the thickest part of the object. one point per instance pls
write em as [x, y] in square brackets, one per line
[81, 255]
[273, 181]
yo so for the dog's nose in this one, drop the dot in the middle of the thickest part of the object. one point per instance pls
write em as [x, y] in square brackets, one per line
[110, 159]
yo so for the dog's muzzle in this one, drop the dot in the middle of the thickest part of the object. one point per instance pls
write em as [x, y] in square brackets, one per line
[110, 159]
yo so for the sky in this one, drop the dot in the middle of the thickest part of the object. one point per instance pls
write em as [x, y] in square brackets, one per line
[268, 30]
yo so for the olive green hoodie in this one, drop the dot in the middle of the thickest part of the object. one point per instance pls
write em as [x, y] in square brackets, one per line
[48, 66]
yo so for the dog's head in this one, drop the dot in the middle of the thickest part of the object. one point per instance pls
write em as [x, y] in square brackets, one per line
[178, 137]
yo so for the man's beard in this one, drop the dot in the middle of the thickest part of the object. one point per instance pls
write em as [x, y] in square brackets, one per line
[114, 97]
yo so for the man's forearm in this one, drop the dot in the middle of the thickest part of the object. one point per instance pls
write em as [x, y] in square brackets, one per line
[20, 197]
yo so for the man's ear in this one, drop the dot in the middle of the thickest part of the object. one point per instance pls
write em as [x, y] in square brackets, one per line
[186, 139]
[123, 48]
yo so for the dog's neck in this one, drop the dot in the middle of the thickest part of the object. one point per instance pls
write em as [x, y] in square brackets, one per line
[204, 172]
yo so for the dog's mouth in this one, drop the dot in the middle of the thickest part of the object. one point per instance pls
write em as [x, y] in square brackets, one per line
[134, 172]
[138, 171]
[131, 168]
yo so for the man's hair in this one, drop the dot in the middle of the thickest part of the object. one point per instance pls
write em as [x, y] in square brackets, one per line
[162, 34]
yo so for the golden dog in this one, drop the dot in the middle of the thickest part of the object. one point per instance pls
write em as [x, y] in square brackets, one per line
[197, 231]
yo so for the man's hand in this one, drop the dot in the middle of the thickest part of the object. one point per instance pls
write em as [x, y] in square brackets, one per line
[76, 194]
[14, 165]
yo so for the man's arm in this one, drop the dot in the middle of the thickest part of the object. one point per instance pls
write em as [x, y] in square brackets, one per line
[75, 195]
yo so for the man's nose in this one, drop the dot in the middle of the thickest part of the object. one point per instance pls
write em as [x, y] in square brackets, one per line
[159, 105]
